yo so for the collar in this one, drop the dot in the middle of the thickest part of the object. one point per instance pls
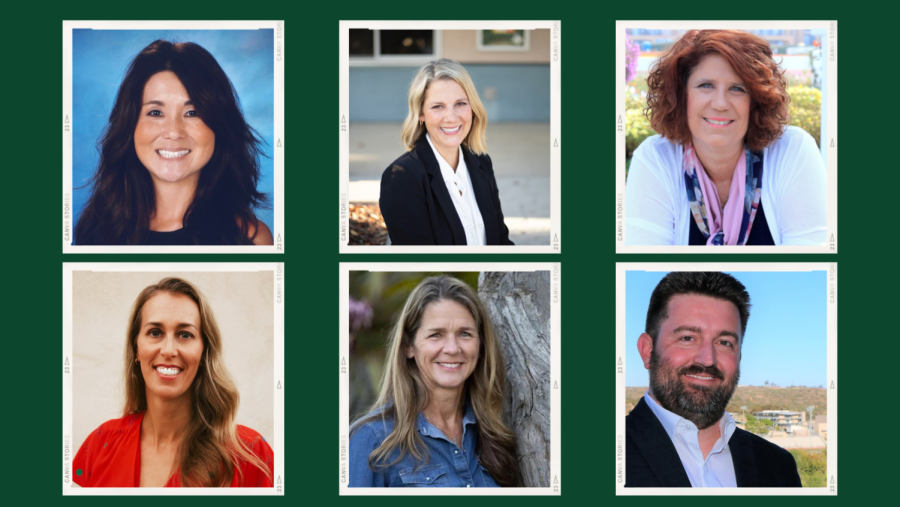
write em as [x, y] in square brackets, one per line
[460, 175]
[428, 429]
[670, 420]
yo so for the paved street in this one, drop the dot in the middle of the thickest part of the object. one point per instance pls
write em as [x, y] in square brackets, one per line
[521, 158]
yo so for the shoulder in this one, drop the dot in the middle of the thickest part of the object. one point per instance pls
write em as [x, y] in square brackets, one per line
[657, 147]
[408, 164]
[372, 428]
[255, 442]
[793, 141]
[259, 233]
[129, 422]
[656, 155]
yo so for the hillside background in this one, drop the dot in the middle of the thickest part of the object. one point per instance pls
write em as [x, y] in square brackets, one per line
[756, 398]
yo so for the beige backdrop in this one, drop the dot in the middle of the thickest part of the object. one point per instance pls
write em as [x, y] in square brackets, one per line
[101, 302]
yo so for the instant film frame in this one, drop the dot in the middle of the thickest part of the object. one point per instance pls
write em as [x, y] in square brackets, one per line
[221, 278]
[554, 140]
[828, 32]
[554, 393]
[625, 348]
[86, 116]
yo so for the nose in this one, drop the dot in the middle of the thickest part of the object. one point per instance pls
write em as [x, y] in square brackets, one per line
[169, 348]
[452, 114]
[451, 345]
[173, 127]
[720, 101]
[706, 354]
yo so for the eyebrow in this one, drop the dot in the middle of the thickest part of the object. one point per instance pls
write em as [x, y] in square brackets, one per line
[177, 326]
[695, 329]
[161, 103]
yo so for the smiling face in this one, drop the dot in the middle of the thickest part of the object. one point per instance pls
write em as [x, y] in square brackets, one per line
[718, 105]
[170, 139]
[445, 346]
[447, 114]
[695, 364]
[169, 345]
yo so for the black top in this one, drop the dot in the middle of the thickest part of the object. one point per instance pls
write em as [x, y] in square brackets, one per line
[759, 233]
[179, 237]
[651, 460]
[417, 207]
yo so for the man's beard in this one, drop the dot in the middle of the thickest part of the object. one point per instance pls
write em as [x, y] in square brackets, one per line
[701, 405]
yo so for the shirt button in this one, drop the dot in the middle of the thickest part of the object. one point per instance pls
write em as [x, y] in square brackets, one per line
[455, 452]
[468, 485]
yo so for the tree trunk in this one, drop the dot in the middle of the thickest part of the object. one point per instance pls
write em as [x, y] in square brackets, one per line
[519, 307]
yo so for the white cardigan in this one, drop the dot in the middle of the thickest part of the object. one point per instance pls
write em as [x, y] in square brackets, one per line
[794, 195]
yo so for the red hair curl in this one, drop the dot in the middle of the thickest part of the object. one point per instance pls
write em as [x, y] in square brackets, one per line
[750, 57]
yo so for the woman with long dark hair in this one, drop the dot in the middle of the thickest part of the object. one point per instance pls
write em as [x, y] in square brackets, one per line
[179, 165]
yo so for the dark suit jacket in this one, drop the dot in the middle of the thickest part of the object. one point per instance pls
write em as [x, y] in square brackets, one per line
[651, 460]
[417, 207]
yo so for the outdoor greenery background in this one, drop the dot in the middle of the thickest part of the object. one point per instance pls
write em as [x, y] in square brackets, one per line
[867, 255]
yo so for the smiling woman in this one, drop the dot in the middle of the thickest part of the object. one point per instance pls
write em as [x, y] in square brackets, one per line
[725, 168]
[437, 421]
[178, 427]
[179, 164]
[443, 190]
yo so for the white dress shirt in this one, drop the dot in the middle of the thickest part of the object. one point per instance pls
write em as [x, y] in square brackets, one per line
[717, 470]
[460, 187]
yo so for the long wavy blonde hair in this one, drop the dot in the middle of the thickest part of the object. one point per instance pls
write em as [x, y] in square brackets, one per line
[444, 68]
[210, 448]
[404, 393]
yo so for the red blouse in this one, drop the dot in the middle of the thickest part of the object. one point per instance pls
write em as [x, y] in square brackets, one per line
[110, 457]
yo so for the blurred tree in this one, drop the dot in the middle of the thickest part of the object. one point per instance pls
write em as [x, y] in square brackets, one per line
[519, 307]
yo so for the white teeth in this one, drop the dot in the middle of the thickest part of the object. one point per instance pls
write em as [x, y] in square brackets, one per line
[168, 371]
[173, 154]
[701, 378]
[453, 130]
[450, 365]
[718, 122]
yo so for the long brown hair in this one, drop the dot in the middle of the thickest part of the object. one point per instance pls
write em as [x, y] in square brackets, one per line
[404, 394]
[210, 448]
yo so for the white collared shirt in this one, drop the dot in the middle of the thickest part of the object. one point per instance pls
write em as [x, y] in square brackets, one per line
[717, 470]
[466, 206]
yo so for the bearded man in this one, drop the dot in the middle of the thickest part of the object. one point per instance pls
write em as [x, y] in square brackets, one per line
[679, 434]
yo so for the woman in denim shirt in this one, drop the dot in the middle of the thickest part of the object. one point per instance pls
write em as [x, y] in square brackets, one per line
[437, 421]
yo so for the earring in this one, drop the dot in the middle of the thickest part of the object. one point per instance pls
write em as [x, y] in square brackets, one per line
[137, 361]
[421, 123]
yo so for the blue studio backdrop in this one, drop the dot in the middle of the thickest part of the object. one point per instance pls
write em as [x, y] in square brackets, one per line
[100, 59]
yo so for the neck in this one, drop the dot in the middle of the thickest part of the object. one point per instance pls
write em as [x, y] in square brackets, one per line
[445, 407]
[172, 201]
[451, 156]
[166, 421]
[719, 163]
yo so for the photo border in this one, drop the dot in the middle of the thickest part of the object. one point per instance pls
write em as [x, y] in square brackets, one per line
[555, 394]
[68, 225]
[829, 54]
[70, 448]
[831, 444]
[344, 135]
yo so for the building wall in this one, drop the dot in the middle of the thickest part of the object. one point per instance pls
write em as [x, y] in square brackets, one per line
[510, 92]
[461, 45]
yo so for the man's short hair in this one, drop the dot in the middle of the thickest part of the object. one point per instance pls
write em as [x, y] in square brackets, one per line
[701, 283]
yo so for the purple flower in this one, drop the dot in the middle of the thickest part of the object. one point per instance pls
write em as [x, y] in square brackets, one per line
[360, 315]
[632, 53]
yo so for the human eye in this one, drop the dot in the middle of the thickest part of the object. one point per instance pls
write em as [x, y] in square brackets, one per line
[727, 343]
[154, 112]
[738, 89]
[463, 104]
[192, 113]
[466, 334]
[705, 85]
[155, 333]
[686, 339]
[435, 107]
[184, 335]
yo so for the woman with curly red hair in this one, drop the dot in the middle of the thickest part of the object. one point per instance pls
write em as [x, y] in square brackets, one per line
[725, 169]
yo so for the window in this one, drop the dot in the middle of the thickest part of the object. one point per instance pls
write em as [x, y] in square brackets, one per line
[501, 40]
[393, 47]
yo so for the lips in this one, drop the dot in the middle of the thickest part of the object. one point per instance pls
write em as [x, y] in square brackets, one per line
[173, 153]
[167, 370]
[719, 122]
[450, 366]
[451, 130]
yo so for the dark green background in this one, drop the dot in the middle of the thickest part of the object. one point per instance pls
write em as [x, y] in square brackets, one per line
[31, 167]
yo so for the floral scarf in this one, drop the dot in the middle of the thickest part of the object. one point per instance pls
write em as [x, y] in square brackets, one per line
[732, 225]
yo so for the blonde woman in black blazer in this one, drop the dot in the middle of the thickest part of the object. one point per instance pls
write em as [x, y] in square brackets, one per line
[444, 136]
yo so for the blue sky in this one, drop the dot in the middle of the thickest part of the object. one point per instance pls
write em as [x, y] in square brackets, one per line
[786, 340]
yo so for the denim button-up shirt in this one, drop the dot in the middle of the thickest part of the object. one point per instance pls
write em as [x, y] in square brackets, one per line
[448, 466]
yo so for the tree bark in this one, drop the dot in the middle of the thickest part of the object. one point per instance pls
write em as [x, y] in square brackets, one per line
[519, 307]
